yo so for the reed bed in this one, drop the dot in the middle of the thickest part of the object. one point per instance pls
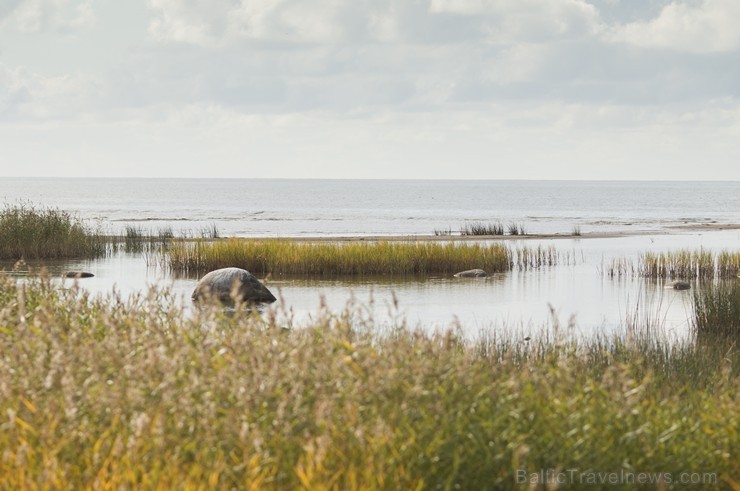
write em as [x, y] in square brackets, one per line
[716, 312]
[108, 393]
[29, 232]
[683, 264]
[332, 259]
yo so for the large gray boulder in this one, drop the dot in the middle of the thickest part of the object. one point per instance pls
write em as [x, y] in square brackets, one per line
[471, 273]
[230, 284]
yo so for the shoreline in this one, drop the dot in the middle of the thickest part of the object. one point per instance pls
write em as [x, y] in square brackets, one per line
[671, 230]
[456, 237]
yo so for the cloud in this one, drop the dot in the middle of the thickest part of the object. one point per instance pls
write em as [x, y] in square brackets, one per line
[380, 83]
[293, 55]
[213, 23]
[31, 16]
[30, 96]
[513, 140]
[7, 7]
[710, 26]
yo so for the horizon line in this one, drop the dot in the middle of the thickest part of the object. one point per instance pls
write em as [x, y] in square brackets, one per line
[430, 179]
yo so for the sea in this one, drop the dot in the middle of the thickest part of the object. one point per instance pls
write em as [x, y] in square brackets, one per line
[616, 219]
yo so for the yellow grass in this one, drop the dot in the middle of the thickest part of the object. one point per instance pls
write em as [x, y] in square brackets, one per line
[277, 256]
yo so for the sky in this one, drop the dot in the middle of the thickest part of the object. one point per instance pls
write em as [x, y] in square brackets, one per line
[439, 89]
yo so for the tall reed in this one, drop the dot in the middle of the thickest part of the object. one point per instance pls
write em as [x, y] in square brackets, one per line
[29, 232]
[536, 257]
[716, 311]
[108, 393]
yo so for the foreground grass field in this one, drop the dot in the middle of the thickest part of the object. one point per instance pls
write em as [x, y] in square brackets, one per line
[28, 232]
[278, 256]
[115, 394]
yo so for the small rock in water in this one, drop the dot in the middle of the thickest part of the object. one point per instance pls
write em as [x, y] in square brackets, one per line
[681, 285]
[77, 274]
[471, 273]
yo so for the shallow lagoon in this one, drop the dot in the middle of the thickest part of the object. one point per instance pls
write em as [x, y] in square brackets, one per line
[518, 301]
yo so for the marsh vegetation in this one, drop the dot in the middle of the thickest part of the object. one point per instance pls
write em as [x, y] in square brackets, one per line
[107, 392]
[357, 258]
[683, 264]
[29, 232]
[112, 393]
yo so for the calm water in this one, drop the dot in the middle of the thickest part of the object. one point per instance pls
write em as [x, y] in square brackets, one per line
[341, 207]
[518, 301]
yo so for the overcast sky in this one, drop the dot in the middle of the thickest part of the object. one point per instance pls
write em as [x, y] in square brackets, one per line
[494, 89]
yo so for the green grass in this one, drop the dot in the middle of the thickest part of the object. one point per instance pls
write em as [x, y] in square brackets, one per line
[716, 312]
[110, 394]
[275, 256]
[29, 232]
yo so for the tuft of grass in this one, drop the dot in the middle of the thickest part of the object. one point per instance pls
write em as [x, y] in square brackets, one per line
[29, 232]
[442, 232]
[108, 393]
[618, 267]
[210, 232]
[526, 258]
[138, 240]
[276, 256]
[516, 229]
[480, 228]
[165, 234]
[716, 311]
[576, 231]
[134, 233]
